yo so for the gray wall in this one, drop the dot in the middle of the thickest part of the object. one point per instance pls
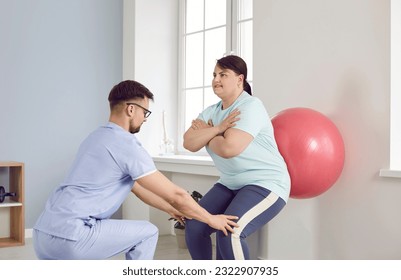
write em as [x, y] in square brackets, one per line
[58, 62]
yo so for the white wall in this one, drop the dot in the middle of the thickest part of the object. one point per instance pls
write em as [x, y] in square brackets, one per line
[58, 62]
[154, 63]
[333, 56]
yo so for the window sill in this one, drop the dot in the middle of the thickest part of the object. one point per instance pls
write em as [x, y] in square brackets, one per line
[391, 173]
[199, 165]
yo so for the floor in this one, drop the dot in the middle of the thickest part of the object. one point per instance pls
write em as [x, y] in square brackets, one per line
[167, 249]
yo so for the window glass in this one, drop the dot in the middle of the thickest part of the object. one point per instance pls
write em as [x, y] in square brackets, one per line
[194, 60]
[193, 105]
[215, 47]
[194, 15]
[211, 30]
[245, 9]
[210, 97]
[215, 13]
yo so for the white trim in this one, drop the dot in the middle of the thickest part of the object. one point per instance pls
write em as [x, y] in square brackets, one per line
[246, 219]
[390, 173]
[230, 18]
[199, 165]
[181, 72]
[28, 233]
[395, 123]
[9, 203]
[232, 24]
[145, 174]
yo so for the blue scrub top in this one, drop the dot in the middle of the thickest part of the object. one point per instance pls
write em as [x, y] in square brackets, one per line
[108, 162]
[261, 162]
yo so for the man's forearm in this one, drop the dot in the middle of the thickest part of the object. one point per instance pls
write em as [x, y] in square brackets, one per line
[151, 199]
[190, 208]
[178, 198]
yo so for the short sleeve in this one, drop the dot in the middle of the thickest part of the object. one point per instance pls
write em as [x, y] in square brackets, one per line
[142, 164]
[133, 159]
[253, 116]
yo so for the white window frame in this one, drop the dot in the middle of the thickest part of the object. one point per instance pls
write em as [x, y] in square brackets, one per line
[395, 101]
[232, 43]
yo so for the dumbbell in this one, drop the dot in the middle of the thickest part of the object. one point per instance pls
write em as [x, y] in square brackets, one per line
[3, 194]
[196, 196]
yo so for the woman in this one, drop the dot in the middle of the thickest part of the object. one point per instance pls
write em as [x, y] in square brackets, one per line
[254, 183]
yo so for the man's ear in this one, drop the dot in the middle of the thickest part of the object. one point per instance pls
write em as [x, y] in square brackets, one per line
[129, 110]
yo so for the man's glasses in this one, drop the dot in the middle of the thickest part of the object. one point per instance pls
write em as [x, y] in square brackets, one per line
[146, 112]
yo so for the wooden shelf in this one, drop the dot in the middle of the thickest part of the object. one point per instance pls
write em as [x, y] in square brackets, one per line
[15, 204]
[9, 242]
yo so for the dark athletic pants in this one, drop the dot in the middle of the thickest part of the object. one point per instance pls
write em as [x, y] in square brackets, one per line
[255, 206]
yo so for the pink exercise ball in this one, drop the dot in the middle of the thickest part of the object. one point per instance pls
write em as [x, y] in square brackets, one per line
[313, 149]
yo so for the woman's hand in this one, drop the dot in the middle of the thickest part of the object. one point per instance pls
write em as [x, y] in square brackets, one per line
[223, 222]
[199, 124]
[201, 133]
[228, 122]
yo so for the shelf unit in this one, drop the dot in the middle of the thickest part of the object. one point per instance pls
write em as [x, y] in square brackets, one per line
[13, 205]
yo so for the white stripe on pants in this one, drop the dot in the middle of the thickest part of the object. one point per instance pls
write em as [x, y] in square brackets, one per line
[245, 219]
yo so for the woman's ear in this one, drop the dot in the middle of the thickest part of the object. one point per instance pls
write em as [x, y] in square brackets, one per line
[240, 80]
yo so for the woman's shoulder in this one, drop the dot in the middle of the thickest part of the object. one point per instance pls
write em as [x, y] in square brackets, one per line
[213, 107]
[249, 100]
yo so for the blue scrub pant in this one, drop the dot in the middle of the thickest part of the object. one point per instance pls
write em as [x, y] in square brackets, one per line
[102, 240]
[255, 206]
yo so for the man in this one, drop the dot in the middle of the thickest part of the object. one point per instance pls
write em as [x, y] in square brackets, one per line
[110, 163]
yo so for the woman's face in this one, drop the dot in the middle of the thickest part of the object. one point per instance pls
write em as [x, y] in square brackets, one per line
[226, 82]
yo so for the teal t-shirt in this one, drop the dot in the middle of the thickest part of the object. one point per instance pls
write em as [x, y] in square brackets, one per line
[261, 162]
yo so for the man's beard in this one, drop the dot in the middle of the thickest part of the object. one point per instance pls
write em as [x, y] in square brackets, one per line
[134, 130]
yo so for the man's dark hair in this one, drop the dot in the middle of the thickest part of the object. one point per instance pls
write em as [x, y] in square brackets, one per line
[127, 90]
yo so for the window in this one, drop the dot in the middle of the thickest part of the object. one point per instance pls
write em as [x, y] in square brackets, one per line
[395, 148]
[395, 88]
[209, 29]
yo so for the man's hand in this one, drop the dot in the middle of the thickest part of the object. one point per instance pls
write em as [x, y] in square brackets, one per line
[224, 223]
[178, 216]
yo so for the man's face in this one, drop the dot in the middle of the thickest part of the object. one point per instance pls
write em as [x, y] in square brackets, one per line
[140, 107]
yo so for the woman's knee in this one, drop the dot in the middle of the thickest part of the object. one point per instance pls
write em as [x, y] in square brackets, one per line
[233, 246]
[226, 241]
[196, 227]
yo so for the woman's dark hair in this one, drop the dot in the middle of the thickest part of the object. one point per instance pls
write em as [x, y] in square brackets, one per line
[238, 65]
[127, 90]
